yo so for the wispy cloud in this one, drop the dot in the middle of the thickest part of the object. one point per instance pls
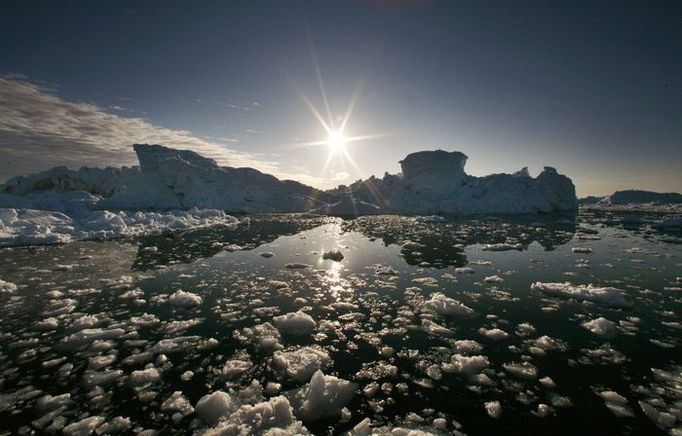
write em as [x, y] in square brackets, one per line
[40, 130]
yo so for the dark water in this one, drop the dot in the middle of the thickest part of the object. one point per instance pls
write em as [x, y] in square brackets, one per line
[383, 310]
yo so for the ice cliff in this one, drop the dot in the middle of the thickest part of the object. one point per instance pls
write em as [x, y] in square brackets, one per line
[168, 179]
[435, 182]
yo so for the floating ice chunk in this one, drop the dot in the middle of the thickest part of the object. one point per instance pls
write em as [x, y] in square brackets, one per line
[184, 299]
[181, 343]
[467, 346]
[443, 305]
[264, 336]
[301, 364]
[523, 370]
[84, 322]
[116, 425]
[547, 382]
[412, 246]
[86, 336]
[323, 397]
[297, 265]
[177, 403]
[99, 362]
[525, 329]
[272, 418]
[495, 334]
[48, 324]
[138, 358]
[430, 219]
[468, 365]
[84, 427]
[494, 409]
[334, 255]
[49, 402]
[378, 370]
[548, 343]
[41, 227]
[385, 270]
[132, 294]
[99, 378]
[502, 247]
[426, 281]
[295, 323]
[7, 287]
[581, 250]
[493, 279]
[144, 376]
[436, 329]
[464, 270]
[601, 327]
[236, 367]
[343, 305]
[144, 320]
[662, 420]
[672, 222]
[214, 406]
[187, 375]
[607, 295]
[616, 403]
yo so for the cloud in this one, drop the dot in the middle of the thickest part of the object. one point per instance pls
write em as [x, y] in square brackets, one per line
[40, 130]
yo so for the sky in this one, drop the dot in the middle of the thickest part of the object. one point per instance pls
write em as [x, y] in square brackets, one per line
[593, 88]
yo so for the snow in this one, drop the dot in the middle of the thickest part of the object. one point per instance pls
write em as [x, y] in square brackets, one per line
[295, 323]
[301, 364]
[214, 406]
[181, 298]
[446, 306]
[607, 296]
[323, 397]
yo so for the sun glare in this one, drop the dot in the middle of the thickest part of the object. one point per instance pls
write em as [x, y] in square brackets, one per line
[336, 141]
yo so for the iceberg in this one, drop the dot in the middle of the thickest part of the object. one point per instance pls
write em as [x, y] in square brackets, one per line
[169, 179]
[435, 182]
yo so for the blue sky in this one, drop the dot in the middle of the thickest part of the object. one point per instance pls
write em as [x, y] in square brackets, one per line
[592, 88]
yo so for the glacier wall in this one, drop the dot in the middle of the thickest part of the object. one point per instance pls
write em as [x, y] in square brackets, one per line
[168, 179]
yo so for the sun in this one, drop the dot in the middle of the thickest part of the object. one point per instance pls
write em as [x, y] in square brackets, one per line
[336, 141]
